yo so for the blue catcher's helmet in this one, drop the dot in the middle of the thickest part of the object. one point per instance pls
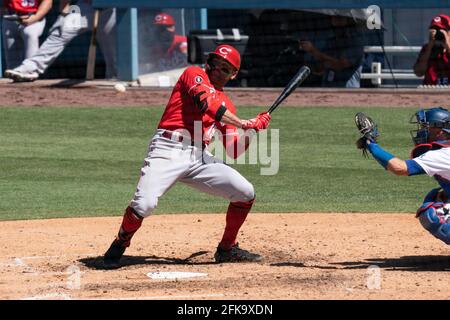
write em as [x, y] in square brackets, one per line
[429, 118]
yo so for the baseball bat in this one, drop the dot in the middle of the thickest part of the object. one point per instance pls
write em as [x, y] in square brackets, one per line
[90, 68]
[298, 79]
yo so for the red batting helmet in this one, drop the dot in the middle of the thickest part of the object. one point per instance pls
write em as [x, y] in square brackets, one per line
[441, 21]
[164, 19]
[228, 53]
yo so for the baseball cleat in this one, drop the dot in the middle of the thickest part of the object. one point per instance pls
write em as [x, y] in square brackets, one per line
[236, 254]
[111, 259]
[11, 74]
[19, 76]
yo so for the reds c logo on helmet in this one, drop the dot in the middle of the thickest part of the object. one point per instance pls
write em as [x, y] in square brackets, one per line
[230, 54]
[225, 50]
[164, 19]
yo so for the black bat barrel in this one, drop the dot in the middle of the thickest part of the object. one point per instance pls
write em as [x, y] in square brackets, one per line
[301, 76]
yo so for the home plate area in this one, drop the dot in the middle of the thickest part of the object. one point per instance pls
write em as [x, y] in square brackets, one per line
[359, 256]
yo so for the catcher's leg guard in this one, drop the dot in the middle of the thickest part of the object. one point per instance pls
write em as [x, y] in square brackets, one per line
[130, 224]
[434, 217]
[236, 215]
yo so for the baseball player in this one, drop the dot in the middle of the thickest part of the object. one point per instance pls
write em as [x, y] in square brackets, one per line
[169, 50]
[431, 156]
[178, 151]
[23, 23]
[76, 17]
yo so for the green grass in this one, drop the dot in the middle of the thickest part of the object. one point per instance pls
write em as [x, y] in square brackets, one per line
[65, 162]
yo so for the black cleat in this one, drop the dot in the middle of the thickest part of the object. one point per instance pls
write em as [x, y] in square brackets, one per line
[236, 254]
[111, 259]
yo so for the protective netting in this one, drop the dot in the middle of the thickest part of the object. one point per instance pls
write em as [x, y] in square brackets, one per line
[343, 48]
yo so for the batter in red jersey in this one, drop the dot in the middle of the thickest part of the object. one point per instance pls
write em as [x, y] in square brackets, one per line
[169, 50]
[178, 152]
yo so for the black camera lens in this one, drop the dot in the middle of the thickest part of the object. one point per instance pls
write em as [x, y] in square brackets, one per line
[439, 35]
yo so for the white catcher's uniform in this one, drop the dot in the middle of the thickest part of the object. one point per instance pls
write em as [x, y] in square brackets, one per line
[66, 28]
[433, 214]
[436, 162]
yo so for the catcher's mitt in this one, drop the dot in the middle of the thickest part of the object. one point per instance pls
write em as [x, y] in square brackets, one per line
[368, 129]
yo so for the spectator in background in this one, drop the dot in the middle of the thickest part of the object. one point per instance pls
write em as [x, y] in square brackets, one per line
[23, 23]
[169, 50]
[433, 61]
[69, 25]
[341, 61]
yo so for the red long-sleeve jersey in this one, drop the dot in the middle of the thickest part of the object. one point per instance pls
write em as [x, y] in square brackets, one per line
[194, 99]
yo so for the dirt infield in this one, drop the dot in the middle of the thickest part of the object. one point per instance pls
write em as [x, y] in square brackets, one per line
[98, 94]
[307, 256]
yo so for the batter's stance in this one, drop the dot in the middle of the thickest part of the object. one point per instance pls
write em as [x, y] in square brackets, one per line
[177, 152]
[431, 156]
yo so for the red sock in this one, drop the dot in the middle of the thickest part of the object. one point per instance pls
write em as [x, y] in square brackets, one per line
[130, 224]
[236, 214]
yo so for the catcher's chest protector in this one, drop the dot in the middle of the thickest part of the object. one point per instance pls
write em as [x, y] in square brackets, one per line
[425, 147]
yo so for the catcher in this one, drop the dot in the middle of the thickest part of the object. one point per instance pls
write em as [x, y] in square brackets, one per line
[431, 156]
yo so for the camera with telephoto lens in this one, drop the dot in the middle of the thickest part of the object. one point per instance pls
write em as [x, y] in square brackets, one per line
[439, 35]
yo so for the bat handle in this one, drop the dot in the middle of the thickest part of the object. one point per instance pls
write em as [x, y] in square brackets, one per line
[273, 107]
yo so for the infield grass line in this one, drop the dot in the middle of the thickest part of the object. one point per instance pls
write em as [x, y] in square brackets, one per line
[80, 162]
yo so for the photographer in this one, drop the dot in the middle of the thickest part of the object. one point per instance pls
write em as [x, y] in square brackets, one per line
[169, 50]
[340, 62]
[433, 61]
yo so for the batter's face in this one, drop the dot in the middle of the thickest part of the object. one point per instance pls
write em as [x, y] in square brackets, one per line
[220, 72]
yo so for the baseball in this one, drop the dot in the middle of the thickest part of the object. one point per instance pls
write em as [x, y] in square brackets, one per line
[120, 87]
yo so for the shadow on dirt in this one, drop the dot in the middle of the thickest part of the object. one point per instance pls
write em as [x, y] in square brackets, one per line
[68, 83]
[288, 264]
[407, 263]
[97, 262]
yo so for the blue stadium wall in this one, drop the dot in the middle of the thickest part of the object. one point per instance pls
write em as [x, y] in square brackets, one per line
[72, 62]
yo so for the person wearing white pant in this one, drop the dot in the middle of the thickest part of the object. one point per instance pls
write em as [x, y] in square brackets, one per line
[23, 22]
[197, 108]
[75, 19]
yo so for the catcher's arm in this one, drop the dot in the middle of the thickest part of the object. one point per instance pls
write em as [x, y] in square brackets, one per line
[398, 167]
[368, 143]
